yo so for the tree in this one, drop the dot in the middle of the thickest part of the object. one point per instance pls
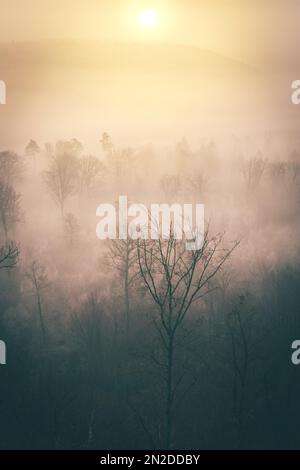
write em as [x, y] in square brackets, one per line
[11, 166]
[71, 227]
[71, 147]
[61, 178]
[123, 256]
[245, 344]
[38, 278]
[88, 331]
[176, 279]
[9, 255]
[9, 207]
[253, 170]
[183, 155]
[198, 184]
[120, 161]
[90, 168]
[32, 149]
[106, 142]
[170, 186]
[49, 150]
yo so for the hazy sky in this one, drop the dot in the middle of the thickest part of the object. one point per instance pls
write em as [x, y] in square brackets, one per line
[229, 26]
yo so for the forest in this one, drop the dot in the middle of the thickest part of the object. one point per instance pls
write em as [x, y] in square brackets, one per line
[141, 344]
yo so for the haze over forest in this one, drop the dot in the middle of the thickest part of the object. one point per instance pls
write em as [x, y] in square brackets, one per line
[141, 344]
[72, 88]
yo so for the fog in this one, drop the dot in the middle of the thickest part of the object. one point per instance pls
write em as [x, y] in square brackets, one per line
[141, 92]
[97, 358]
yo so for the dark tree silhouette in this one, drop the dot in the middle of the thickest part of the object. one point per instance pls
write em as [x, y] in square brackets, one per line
[176, 279]
[123, 256]
[71, 228]
[32, 149]
[61, 178]
[9, 207]
[37, 275]
[11, 167]
[91, 171]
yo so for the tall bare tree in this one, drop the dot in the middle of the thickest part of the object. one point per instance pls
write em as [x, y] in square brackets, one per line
[90, 170]
[176, 279]
[253, 170]
[87, 327]
[123, 256]
[32, 149]
[11, 166]
[71, 229]
[38, 278]
[9, 207]
[61, 178]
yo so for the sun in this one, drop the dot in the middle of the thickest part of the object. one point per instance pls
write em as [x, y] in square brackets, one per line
[148, 18]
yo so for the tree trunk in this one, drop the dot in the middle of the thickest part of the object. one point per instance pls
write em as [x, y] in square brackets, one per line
[4, 228]
[126, 292]
[169, 401]
[41, 317]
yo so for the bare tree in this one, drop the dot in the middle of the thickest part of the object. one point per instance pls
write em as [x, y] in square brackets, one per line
[198, 183]
[11, 167]
[9, 255]
[49, 150]
[70, 147]
[176, 279]
[32, 149]
[9, 207]
[106, 142]
[87, 328]
[38, 278]
[123, 256]
[170, 186]
[71, 228]
[90, 169]
[120, 161]
[241, 358]
[183, 154]
[61, 178]
[293, 173]
[278, 171]
[253, 170]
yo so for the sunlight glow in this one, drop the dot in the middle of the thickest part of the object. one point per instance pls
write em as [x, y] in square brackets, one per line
[148, 18]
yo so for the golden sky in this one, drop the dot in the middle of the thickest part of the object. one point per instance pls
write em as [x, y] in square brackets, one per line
[232, 27]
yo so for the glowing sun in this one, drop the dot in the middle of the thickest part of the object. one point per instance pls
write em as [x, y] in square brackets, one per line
[148, 19]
